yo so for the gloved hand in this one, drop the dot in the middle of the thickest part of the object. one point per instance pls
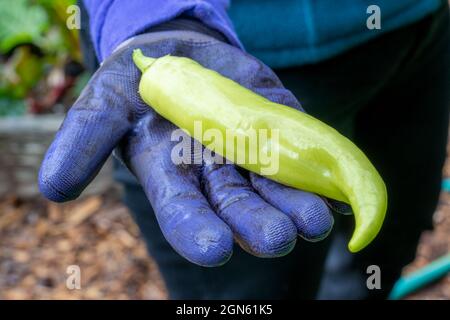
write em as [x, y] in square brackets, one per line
[199, 207]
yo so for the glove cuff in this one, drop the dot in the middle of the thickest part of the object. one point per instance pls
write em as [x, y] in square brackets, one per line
[165, 34]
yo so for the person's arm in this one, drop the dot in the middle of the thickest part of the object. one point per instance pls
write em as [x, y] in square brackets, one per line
[114, 21]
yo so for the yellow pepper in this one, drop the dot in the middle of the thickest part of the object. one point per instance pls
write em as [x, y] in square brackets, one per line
[312, 156]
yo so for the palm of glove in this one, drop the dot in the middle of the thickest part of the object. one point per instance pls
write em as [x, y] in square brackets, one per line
[200, 208]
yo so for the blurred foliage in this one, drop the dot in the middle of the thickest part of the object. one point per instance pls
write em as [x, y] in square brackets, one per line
[21, 72]
[34, 39]
[81, 82]
[41, 23]
[59, 38]
[21, 23]
[11, 107]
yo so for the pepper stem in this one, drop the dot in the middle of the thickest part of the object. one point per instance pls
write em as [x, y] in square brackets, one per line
[141, 61]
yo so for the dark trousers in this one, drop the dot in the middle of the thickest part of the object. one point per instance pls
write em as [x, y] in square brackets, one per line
[391, 97]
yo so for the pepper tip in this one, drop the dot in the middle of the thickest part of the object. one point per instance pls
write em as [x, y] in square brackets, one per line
[353, 248]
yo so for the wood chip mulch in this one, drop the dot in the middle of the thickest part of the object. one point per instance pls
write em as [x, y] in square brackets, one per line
[39, 240]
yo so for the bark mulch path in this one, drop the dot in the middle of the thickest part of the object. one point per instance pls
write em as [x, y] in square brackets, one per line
[39, 240]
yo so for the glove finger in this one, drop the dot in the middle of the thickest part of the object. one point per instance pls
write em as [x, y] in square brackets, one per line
[339, 206]
[92, 128]
[259, 228]
[309, 212]
[183, 213]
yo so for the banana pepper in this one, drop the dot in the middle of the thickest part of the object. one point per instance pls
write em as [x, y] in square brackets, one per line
[312, 156]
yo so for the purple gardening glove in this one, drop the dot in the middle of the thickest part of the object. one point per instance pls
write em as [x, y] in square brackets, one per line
[200, 208]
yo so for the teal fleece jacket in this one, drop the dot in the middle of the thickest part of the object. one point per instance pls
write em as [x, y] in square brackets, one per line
[281, 33]
[284, 33]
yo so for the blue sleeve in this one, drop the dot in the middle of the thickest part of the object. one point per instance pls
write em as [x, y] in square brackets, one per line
[114, 21]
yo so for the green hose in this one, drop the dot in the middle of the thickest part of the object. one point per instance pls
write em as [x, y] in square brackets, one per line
[446, 185]
[418, 279]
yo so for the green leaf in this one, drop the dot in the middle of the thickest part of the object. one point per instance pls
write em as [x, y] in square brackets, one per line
[21, 22]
